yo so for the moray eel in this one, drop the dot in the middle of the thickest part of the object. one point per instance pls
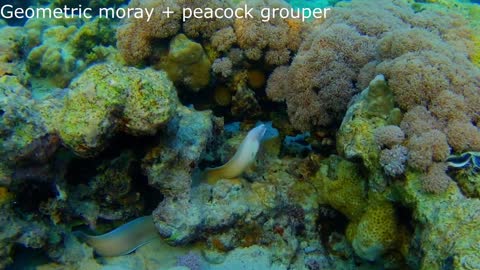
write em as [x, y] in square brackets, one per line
[244, 156]
[140, 231]
[123, 239]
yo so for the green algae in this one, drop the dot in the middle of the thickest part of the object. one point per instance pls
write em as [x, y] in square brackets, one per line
[106, 98]
[61, 49]
[374, 107]
[187, 63]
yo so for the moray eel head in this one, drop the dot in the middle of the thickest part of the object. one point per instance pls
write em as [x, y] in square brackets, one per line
[244, 156]
[123, 239]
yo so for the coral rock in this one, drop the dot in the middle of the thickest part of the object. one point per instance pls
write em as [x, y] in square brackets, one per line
[187, 63]
[106, 98]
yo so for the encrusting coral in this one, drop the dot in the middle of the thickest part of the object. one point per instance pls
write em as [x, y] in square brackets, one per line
[106, 98]
[373, 229]
[377, 231]
[371, 113]
[187, 63]
[62, 49]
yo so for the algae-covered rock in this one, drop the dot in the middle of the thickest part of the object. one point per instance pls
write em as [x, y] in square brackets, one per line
[169, 165]
[63, 48]
[373, 229]
[469, 183]
[25, 133]
[106, 98]
[111, 194]
[20, 122]
[447, 226]
[187, 63]
[373, 108]
[17, 230]
[11, 45]
[341, 185]
[213, 209]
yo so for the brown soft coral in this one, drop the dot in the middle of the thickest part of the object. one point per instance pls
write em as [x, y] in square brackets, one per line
[463, 136]
[205, 27]
[222, 66]
[277, 84]
[449, 106]
[388, 136]
[135, 36]
[323, 73]
[223, 39]
[426, 148]
[424, 56]
[418, 120]
[277, 37]
[415, 78]
[436, 180]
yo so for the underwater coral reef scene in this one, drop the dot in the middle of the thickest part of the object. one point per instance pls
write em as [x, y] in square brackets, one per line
[239, 134]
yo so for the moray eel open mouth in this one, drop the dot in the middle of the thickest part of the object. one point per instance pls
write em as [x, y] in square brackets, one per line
[122, 240]
[244, 156]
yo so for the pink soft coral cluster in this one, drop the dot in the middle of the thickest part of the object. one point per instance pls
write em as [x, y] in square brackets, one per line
[136, 37]
[273, 42]
[426, 58]
[319, 83]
